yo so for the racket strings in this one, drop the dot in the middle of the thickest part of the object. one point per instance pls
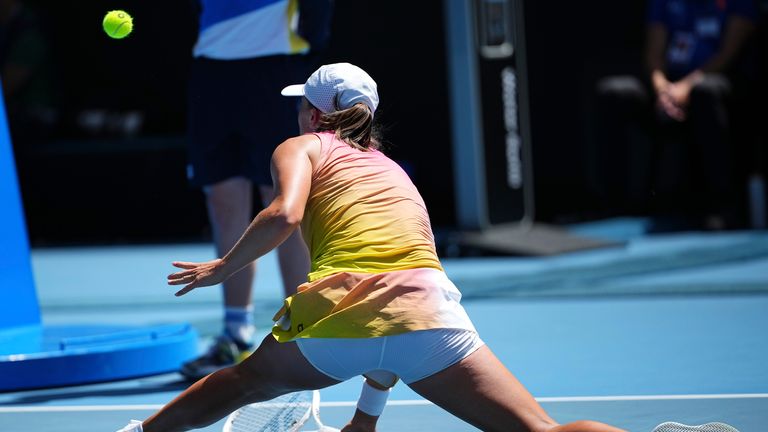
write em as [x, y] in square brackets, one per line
[709, 427]
[286, 413]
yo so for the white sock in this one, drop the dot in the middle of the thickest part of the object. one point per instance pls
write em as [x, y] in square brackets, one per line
[241, 332]
[238, 322]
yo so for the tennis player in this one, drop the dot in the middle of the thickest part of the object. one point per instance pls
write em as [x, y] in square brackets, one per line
[377, 302]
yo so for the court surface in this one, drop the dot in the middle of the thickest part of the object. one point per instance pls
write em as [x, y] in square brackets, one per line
[665, 328]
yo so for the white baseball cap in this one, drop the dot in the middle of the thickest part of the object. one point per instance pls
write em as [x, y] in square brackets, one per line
[336, 87]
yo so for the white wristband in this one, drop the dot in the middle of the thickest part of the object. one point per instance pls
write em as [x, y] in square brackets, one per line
[372, 401]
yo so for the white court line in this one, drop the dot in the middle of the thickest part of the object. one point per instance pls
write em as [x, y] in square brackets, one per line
[653, 397]
[415, 402]
[75, 408]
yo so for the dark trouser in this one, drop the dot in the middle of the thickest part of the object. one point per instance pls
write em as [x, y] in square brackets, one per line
[648, 161]
[623, 154]
[709, 130]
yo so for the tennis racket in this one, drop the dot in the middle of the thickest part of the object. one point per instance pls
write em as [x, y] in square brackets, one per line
[287, 413]
[708, 427]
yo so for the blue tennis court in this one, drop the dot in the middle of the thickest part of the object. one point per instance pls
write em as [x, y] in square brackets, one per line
[595, 172]
[665, 327]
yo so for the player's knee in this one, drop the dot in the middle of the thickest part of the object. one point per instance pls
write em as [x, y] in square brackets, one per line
[541, 423]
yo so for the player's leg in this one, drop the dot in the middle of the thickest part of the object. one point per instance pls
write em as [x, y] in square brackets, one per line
[480, 390]
[229, 211]
[272, 370]
[215, 164]
[292, 254]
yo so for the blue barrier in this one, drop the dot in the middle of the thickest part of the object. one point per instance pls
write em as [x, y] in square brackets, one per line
[36, 356]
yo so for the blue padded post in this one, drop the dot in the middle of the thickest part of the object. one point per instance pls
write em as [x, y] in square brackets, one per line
[20, 307]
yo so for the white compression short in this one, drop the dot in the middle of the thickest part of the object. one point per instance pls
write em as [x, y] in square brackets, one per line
[411, 356]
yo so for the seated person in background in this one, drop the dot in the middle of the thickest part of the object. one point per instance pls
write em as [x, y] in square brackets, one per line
[692, 55]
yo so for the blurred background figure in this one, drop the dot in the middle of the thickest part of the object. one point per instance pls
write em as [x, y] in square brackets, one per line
[26, 76]
[246, 53]
[677, 138]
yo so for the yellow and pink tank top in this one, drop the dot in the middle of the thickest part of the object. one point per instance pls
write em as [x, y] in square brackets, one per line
[375, 269]
[364, 214]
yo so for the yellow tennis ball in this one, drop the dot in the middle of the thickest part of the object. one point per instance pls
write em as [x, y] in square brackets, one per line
[117, 24]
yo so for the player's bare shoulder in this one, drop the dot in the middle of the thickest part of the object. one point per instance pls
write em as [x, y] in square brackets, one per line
[308, 144]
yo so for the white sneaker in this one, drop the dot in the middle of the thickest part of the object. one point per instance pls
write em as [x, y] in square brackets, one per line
[133, 426]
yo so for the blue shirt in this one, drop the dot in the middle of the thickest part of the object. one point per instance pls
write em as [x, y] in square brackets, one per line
[694, 29]
[239, 29]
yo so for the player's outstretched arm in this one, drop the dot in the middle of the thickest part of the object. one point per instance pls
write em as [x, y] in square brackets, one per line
[292, 175]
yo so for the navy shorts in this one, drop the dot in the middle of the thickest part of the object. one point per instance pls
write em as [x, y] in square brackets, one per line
[236, 116]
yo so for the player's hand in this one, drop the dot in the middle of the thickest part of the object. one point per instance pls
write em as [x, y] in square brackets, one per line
[197, 275]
